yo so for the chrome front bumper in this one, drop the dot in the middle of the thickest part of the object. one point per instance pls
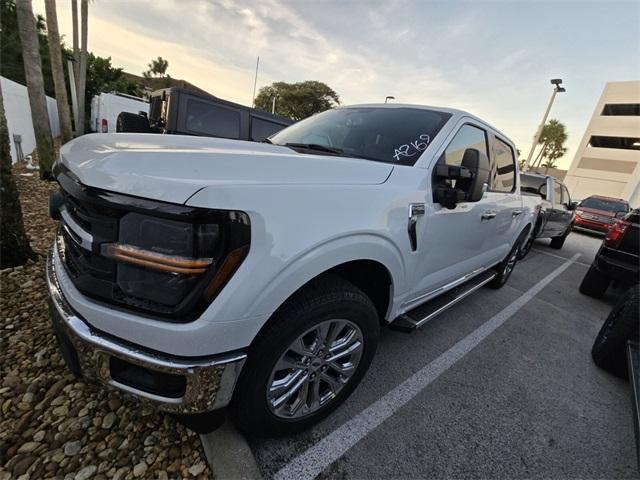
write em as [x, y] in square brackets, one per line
[209, 382]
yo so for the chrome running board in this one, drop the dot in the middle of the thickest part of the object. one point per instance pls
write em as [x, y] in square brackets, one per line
[420, 315]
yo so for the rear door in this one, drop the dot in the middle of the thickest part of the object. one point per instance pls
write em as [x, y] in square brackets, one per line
[502, 192]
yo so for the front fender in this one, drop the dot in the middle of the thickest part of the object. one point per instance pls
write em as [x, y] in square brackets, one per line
[323, 257]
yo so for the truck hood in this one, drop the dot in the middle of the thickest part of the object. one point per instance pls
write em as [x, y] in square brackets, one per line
[172, 168]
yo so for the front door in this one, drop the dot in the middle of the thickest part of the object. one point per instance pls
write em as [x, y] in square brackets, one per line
[455, 243]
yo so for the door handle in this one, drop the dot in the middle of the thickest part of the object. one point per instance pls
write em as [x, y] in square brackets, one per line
[515, 213]
[488, 215]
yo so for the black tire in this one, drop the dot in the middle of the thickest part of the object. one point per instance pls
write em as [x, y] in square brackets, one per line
[609, 348]
[505, 268]
[526, 246]
[326, 298]
[594, 283]
[558, 242]
[132, 123]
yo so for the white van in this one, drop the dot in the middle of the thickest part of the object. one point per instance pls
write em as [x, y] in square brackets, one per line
[106, 107]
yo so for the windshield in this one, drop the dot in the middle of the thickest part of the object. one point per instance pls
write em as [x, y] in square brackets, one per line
[395, 135]
[607, 205]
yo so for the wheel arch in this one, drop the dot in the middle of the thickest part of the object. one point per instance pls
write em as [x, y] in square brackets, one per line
[368, 263]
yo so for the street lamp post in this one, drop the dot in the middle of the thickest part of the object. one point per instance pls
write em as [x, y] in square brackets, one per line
[536, 138]
[389, 98]
[273, 104]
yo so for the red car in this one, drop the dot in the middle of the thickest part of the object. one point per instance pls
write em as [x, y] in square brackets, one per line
[598, 213]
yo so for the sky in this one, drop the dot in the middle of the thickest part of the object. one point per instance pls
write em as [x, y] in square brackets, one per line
[493, 59]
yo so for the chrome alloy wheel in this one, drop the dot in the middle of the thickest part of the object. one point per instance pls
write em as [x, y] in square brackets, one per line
[508, 268]
[314, 368]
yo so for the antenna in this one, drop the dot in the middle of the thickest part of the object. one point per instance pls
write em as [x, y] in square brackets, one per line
[255, 82]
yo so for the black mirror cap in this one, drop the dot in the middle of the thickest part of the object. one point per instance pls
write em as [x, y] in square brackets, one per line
[478, 163]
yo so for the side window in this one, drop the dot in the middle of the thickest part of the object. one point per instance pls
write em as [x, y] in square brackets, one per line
[214, 120]
[261, 129]
[503, 168]
[566, 198]
[467, 137]
[557, 190]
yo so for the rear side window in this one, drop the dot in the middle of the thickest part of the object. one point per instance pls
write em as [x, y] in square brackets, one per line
[503, 169]
[261, 129]
[213, 120]
[467, 137]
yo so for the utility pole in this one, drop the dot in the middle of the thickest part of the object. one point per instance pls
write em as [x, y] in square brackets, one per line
[536, 138]
[255, 82]
[273, 104]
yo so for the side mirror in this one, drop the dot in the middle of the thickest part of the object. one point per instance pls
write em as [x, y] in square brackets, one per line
[621, 214]
[471, 179]
[572, 206]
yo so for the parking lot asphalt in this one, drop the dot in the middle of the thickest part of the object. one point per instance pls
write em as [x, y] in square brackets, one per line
[501, 385]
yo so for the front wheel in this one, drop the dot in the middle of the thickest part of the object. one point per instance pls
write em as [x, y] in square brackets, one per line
[309, 359]
[558, 242]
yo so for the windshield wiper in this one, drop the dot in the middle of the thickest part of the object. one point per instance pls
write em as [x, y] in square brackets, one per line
[315, 146]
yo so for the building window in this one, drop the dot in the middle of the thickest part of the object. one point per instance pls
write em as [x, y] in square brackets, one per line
[626, 143]
[621, 109]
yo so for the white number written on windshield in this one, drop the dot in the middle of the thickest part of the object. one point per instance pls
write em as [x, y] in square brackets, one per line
[413, 148]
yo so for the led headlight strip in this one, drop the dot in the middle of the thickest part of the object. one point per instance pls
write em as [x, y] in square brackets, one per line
[156, 261]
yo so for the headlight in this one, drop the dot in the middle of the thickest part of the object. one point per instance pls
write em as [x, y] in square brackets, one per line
[579, 212]
[167, 262]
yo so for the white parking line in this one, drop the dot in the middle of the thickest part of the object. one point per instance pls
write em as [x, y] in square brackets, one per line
[318, 457]
[558, 256]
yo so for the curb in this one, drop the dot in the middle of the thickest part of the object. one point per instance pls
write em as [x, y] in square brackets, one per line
[228, 454]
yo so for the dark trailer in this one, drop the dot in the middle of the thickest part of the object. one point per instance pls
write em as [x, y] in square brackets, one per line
[181, 111]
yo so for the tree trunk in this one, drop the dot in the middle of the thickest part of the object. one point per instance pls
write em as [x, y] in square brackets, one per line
[76, 49]
[14, 244]
[57, 70]
[35, 86]
[82, 80]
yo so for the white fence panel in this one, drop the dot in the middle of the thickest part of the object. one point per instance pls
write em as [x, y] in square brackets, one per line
[18, 113]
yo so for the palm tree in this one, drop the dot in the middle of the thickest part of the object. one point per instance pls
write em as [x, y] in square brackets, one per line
[552, 139]
[14, 243]
[82, 74]
[57, 71]
[35, 86]
[76, 50]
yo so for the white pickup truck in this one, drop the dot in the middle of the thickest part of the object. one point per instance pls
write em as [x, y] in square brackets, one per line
[202, 273]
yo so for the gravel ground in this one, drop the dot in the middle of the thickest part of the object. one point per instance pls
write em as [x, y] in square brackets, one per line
[53, 425]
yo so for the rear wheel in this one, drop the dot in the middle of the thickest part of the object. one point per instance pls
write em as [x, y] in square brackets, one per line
[132, 123]
[609, 348]
[594, 283]
[505, 268]
[307, 362]
[526, 246]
